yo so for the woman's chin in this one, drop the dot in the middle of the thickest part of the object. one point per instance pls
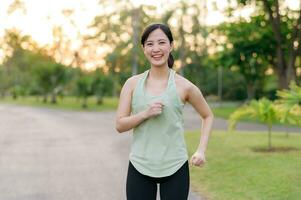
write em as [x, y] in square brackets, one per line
[158, 64]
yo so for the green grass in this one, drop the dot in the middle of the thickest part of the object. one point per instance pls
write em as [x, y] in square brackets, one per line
[235, 171]
[224, 112]
[67, 103]
[110, 103]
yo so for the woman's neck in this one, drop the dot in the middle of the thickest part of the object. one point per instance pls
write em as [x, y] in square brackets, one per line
[159, 72]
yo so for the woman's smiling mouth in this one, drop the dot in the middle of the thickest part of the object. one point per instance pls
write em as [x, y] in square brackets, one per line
[157, 57]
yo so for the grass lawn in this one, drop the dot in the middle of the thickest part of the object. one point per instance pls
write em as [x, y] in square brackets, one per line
[68, 103]
[235, 171]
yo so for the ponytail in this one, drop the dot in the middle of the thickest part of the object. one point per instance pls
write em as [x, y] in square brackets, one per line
[170, 61]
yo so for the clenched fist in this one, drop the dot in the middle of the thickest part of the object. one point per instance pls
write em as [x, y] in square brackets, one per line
[154, 109]
[198, 159]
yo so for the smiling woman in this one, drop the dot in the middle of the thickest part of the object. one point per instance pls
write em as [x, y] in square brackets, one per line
[151, 103]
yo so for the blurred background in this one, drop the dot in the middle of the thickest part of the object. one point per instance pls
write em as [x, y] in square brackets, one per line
[233, 50]
[76, 55]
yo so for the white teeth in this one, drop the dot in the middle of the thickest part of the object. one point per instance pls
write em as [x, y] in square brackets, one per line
[157, 56]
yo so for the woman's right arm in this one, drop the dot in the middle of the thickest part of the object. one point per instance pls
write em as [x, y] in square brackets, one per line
[125, 121]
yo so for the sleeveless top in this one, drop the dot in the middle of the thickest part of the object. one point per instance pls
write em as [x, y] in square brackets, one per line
[158, 147]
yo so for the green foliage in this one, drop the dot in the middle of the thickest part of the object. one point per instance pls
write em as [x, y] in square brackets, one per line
[101, 85]
[206, 78]
[263, 109]
[245, 55]
[287, 114]
[290, 97]
[50, 79]
[247, 50]
[289, 104]
[4, 82]
[84, 88]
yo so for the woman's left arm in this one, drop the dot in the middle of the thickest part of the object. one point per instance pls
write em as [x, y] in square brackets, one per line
[196, 99]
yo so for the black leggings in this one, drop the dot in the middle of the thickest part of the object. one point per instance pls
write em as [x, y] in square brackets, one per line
[142, 187]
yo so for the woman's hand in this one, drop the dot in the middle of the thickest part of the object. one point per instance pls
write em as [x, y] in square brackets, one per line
[154, 109]
[198, 159]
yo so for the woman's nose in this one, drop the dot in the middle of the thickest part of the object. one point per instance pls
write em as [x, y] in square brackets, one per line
[155, 48]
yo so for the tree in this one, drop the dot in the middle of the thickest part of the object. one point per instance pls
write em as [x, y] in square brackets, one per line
[17, 61]
[191, 39]
[287, 43]
[4, 82]
[101, 85]
[58, 78]
[247, 51]
[84, 88]
[114, 31]
[51, 77]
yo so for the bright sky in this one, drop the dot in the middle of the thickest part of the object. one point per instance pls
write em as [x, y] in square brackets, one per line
[43, 14]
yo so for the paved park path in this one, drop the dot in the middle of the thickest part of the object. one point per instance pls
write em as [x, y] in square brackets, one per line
[65, 155]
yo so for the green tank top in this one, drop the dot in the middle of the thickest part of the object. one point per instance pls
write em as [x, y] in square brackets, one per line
[158, 147]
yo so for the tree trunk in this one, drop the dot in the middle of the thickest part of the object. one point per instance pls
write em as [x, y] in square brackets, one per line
[274, 18]
[220, 85]
[281, 70]
[250, 91]
[291, 70]
[53, 98]
[14, 94]
[99, 100]
[84, 104]
[287, 131]
[294, 50]
[45, 98]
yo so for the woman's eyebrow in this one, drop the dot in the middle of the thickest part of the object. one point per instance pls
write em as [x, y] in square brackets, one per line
[157, 40]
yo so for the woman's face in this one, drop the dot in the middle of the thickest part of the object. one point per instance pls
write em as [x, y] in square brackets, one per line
[157, 48]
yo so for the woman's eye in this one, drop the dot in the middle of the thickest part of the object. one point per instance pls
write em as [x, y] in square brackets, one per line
[161, 42]
[149, 44]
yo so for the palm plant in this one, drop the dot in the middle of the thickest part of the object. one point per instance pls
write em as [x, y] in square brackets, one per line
[288, 115]
[262, 110]
[289, 105]
[292, 96]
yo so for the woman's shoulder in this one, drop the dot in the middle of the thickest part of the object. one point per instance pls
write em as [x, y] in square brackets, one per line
[133, 80]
